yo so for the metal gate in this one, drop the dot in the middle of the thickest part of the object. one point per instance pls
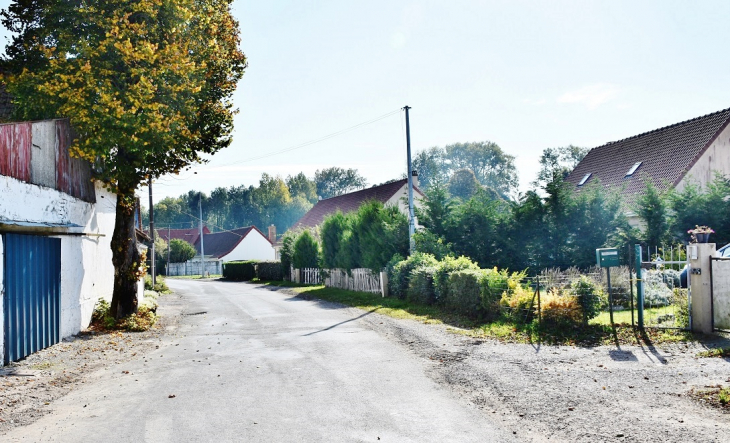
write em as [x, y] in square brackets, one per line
[32, 270]
[663, 293]
[720, 288]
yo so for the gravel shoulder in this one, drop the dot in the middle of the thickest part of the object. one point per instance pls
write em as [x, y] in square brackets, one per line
[28, 387]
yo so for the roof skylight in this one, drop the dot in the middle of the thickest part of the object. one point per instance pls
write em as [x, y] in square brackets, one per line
[633, 169]
[585, 179]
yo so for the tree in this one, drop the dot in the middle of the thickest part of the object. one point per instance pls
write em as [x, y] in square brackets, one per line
[490, 165]
[145, 84]
[332, 233]
[558, 162]
[431, 166]
[181, 251]
[653, 212]
[306, 251]
[300, 185]
[335, 181]
[463, 184]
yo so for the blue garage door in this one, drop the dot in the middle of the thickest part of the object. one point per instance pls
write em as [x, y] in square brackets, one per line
[32, 268]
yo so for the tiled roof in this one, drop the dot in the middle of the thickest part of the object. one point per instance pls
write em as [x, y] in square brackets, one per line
[349, 203]
[189, 235]
[666, 154]
[219, 244]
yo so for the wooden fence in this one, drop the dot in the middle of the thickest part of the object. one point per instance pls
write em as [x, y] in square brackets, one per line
[361, 279]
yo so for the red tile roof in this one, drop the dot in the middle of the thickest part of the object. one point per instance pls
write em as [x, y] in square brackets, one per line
[666, 154]
[349, 202]
[189, 235]
[220, 244]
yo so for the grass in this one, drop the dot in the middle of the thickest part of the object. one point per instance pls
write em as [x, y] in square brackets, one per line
[715, 396]
[624, 316]
[502, 328]
[717, 352]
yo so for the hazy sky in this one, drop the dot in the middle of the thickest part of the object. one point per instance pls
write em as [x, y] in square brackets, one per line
[524, 74]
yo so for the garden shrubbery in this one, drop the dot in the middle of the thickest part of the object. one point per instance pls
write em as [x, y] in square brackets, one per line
[239, 270]
[269, 271]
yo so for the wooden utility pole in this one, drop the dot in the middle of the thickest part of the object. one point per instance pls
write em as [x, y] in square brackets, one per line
[411, 216]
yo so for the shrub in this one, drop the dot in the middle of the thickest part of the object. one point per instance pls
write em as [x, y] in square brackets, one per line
[269, 270]
[306, 251]
[443, 269]
[160, 285]
[498, 284]
[286, 253]
[560, 309]
[464, 292]
[239, 270]
[420, 285]
[589, 296]
[521, 302]
[680, 300]
[400, 272]
[656, 292]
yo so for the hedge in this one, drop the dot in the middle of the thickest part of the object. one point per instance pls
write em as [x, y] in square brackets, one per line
[239, 270]
[420, 285]
[441, 274]
[399, 274]
[269, 270]
[464, 292]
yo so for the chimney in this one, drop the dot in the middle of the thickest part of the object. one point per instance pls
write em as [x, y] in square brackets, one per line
[414, 178]
[272, 234]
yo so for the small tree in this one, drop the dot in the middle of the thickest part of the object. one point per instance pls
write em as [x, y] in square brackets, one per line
[306, 251]
[181, 251]
[286, 254]
[653, 212]
[332, 233]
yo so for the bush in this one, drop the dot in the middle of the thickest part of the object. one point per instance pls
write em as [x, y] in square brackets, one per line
[239, 270]
[399, 274]
[464, 292]
[443, 269]
[560, 309]
[420, 285]
[286, 253]
[656, 292]
[101, 318]
[680, 300]
[589, 296]
[269, 271]
[160, 285]
[521, 302]
[306, 251]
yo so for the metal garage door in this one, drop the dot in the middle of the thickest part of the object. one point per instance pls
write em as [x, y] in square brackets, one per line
[32, 268]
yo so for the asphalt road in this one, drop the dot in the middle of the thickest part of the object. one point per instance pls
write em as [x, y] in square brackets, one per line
[251, 364]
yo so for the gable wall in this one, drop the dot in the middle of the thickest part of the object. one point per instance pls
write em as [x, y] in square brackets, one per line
[716, 158]
[253, 247]
[400, 199]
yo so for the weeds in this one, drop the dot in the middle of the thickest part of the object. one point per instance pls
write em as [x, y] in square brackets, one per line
[715, 396]
[143, 320]
[717, 352]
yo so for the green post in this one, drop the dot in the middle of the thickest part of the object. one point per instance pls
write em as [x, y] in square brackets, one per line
[639, 287]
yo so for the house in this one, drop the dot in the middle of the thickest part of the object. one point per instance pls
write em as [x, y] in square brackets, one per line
[394, 193]
[56, 226]
[189, 235]
[691, 151]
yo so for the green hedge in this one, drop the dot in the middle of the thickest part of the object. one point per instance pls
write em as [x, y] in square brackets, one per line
[420, 285]
[441, 274]
[269, 270]
[239, 270]
[399, 274]
[464, 292]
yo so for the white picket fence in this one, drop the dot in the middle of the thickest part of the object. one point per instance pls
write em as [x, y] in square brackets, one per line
[361, 279]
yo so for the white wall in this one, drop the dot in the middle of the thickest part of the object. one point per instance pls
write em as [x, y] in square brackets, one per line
[716, 158]
[2, 302]
[721, 293]
[87, 273]
[400, 199]
[253, 247]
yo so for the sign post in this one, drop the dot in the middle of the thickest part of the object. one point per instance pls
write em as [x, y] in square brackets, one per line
[607, 258]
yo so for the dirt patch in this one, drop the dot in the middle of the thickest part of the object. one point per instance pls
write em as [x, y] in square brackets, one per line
[28, 387]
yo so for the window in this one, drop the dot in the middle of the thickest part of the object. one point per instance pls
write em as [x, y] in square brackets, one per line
[585, 179]
[633, 169]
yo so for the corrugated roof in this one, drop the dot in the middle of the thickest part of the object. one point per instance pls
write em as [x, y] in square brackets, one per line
[220, 244]
[666, 154]
[349, 203]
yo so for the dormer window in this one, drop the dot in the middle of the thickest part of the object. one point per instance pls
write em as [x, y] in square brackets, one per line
[585, 179]
[633, 169]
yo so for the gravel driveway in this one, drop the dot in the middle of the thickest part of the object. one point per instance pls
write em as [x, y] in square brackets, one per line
[533, 392]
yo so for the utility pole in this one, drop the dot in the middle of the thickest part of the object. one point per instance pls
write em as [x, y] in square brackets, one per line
[152, 234]
[202, 249]
[411, 216]
[167, 269]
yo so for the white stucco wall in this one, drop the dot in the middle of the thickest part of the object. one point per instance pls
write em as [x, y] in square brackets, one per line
[253, 247]
[400, 199]
[715, 159]
[721, 293]
[87, 272]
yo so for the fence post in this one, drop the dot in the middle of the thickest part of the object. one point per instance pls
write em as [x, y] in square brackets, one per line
[384, 283]
[639, 287]
[539, 313]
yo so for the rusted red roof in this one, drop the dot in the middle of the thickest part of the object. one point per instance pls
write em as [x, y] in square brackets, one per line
[220, 244]
[349, 202]
[666, 154]
[189, 235]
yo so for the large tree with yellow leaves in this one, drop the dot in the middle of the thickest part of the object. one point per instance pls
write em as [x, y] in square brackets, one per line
[146, 85]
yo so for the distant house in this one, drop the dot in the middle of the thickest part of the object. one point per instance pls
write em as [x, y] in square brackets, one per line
[393, 194]
[670, 157]
[238, 244]
[190, 235]
[56, 226]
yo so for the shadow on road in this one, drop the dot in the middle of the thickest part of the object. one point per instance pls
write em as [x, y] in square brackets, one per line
[341, 323]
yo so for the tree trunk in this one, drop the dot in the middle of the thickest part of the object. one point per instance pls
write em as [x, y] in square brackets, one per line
[128, 264]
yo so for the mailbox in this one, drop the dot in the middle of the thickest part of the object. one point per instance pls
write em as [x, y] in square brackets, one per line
[607, 257]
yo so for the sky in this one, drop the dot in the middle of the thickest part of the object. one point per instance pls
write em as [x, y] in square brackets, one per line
[526, 75]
